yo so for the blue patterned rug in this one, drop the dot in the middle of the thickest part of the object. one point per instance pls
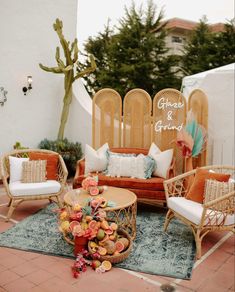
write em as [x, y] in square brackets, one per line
[154, 251]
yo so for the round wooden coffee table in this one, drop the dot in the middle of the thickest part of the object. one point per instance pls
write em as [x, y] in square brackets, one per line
[124, 211]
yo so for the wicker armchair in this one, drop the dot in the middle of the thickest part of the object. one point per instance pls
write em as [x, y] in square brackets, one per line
[215, 215]
[16, 199]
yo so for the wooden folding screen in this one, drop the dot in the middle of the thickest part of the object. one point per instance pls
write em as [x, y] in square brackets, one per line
[106, 118]
[169, 115]
[137, 119]
[198, 103]
[145, 121]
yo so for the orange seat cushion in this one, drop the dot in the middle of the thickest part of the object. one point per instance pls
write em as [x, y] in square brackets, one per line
[52, 163]
[196, 191]
[153, 183]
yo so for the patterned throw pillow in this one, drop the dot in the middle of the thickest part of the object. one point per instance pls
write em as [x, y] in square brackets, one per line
[139, 166]
[34, 171]
[215, 189]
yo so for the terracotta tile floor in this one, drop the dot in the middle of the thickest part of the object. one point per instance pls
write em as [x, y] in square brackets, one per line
[25, 271]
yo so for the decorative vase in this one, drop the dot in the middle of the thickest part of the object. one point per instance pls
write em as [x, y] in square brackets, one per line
[80, 243]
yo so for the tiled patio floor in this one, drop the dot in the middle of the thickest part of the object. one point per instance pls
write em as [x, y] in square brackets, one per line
[25, 271]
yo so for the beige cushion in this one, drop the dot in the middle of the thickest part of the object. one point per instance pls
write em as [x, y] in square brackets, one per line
[34, 171]
[215, 189]
[29, 189]
[193, 211]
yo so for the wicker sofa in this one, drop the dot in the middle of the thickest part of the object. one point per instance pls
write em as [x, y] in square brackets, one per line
[150, 191]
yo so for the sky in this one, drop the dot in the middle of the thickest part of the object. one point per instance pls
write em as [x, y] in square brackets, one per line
[94, 14]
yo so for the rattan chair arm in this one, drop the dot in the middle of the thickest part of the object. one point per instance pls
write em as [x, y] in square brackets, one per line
[64, 176]
[77, 167]
[213, 203]
[179, 177]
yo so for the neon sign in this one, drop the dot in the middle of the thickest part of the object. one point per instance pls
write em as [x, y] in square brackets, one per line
[165, 104]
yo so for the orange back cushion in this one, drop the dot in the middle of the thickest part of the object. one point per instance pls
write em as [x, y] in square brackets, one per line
[52, 162]
[196, 191]
[130, 150]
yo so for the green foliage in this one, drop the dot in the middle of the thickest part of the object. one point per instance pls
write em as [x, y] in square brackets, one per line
[70, 69]
[71, 152]
[19, 146]
[225, 45]
[133, 56]
[206, 50]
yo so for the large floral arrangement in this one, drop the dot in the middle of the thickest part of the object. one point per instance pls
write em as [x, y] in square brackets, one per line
[101, 237]
[82, 221]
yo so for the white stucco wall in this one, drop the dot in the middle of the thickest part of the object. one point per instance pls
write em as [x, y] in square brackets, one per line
[28, 38]
[79, 125]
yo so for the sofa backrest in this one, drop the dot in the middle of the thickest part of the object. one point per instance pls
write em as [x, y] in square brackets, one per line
[130, 150]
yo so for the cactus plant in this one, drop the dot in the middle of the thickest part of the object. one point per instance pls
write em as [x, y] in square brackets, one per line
[70, 70]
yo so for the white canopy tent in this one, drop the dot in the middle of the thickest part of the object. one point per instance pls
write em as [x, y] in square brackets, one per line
[218, 85]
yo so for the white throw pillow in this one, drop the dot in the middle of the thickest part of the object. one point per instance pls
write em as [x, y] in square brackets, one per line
[16, 168]
[96, 160]
[162, 160]
[153, 150]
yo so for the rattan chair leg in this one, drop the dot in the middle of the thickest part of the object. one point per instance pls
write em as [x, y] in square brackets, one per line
[61, 205]
[9, 204]
[12, 207]
[198, 241]
[169, 216]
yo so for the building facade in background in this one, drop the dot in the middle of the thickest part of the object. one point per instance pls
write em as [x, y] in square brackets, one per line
[179, 32]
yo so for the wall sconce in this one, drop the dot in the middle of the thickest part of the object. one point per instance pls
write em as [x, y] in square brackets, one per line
[3, 97]
[29, 87]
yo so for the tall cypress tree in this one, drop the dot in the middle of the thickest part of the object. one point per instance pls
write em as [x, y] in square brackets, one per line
[206, 50]
[134, 56]
[225, 45]
[200, 50]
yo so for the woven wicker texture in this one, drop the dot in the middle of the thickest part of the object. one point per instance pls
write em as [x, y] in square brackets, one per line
[215, 189]
[140, 116]
[165, 139]
[137, 119]
[114, 259]
[106, 118]
[211, 219]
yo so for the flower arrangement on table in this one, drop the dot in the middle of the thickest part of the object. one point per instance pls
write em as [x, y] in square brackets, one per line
[93, 236]
[90, 184]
